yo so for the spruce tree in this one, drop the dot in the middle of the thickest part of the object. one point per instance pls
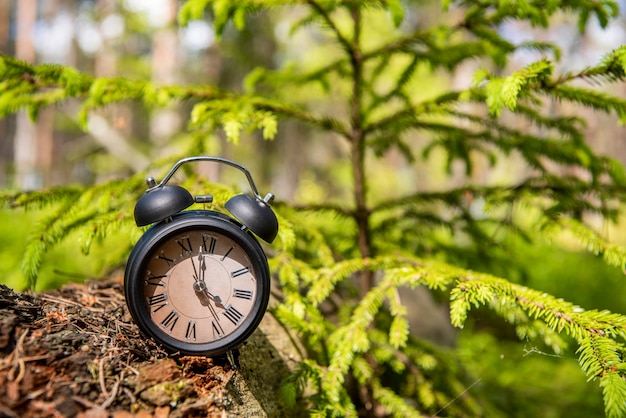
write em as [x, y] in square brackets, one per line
[340, 263]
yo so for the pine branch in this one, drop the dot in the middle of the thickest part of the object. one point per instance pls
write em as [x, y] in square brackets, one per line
[538, 12]
[50, 86]
[324, 15]
[41, 85]
[91, 212]
[38, 199]
[475, 289]
[322, 122]
[397, 406]
[49, 232]
[613, 386]
[612, 254]
[598, 101]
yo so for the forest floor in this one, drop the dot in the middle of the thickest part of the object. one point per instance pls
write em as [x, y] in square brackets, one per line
[75, 352]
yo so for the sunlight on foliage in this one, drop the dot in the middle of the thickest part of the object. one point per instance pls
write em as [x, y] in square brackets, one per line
[346, 248]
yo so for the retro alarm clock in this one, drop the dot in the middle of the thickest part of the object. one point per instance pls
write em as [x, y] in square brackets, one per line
[197, 281]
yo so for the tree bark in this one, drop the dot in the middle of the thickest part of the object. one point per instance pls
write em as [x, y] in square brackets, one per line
[357, 142]
[76, 352]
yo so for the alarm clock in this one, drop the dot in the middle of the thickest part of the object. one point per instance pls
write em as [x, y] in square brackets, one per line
[197, 281]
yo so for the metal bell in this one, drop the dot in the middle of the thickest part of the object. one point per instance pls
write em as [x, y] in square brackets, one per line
[160, 203]
[255, 214]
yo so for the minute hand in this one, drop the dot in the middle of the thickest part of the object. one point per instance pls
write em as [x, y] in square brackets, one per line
[202, 263]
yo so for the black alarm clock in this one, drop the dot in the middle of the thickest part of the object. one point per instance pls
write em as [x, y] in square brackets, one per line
[197, 281]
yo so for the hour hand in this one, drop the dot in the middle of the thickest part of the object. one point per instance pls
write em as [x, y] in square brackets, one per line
[214, 298]
[199, 285]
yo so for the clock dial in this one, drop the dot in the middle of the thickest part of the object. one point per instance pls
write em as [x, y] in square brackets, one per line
[199, 286]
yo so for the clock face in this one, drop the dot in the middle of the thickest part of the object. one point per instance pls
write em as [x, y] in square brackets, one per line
[198, 288]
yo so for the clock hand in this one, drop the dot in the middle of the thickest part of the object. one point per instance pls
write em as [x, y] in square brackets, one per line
[195, 273]
[202, 263]
[199, 284]
[217, 318]
[200, 287]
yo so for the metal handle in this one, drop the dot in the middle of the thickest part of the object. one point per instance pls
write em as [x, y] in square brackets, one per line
[207, 158]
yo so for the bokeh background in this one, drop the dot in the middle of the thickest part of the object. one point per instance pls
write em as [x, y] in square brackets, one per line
[140, 39]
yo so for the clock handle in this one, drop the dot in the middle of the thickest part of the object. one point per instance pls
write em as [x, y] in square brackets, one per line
[254, 212]
[218, 160]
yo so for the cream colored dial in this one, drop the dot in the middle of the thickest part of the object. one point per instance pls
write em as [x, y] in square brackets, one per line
[199, 286]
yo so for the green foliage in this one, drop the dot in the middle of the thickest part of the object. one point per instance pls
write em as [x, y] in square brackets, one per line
[369, 341]
[94, 213]
[557, 387]
[234, 117]
[340, 264]
[62, 262]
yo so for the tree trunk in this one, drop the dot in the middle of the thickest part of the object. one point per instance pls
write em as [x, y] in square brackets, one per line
[6, 147]
[27, 175]
[165, 122]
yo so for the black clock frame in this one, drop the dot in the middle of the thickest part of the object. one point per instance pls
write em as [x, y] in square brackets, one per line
[134, 278]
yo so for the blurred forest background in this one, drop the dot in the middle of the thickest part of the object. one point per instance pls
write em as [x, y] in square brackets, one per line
[140, 39]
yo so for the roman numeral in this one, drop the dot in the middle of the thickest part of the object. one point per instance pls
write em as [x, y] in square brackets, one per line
[158, 301]
[190, 334]
[218, 332]
[210, 249]
[227, 252]
[242, 294]
[169, 261]
[170, 321]
[155, 281]
[240, 272]
[233, 314]
[185, 244]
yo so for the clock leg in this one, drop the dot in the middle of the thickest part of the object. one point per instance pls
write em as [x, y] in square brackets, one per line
[233, 358]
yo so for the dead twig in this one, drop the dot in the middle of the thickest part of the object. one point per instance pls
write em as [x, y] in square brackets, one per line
[111, 398]
[130, 395]
[85, 402]
[16, 360]
[8, 412]
[58, 300]
[103, 386]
